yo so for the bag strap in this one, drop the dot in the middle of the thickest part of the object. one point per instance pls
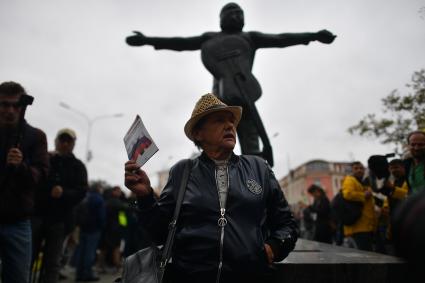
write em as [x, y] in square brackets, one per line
[172, 226]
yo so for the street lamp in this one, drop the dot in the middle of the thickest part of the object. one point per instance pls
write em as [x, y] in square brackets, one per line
[90, 122]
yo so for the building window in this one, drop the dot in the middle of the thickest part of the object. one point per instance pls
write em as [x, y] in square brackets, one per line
[317, 166]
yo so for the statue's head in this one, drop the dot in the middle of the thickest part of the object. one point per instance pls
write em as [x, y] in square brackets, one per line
[231, 18]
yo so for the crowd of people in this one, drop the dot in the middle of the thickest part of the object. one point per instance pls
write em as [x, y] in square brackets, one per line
[378, 193]
[235, 220]
[49, 214]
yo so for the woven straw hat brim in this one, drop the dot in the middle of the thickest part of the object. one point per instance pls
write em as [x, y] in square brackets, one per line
[235, 110]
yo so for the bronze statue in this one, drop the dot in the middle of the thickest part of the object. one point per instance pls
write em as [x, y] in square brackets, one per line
[229, 55]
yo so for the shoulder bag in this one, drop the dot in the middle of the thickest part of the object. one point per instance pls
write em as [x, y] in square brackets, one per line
[148, 265]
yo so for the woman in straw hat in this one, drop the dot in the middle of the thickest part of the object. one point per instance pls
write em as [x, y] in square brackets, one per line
[234, 221]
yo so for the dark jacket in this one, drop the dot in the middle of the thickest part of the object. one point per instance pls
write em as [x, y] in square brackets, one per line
[95, 222]
[256, 210]
[17, 185]
[323, 230]
[69, 173]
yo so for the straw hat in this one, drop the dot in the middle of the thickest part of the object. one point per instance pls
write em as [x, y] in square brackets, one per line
[208, 104]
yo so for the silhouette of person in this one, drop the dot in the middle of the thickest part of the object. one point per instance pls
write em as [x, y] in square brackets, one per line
[229, 55]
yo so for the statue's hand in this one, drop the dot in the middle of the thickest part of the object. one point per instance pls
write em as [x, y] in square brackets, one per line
[137, 39]
[325, 36]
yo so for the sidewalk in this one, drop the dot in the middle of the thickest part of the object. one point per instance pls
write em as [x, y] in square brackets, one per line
[105, 277]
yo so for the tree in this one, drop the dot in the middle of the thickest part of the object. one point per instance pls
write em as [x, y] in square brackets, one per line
[402, 114]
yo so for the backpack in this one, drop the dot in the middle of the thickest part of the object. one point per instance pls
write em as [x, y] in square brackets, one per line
[345, 211]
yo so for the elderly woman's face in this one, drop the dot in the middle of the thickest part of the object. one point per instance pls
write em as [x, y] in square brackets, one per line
[218, 131]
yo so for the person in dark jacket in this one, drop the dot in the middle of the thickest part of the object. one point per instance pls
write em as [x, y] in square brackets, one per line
[91, 225]
[116, 213]
[66, 186]
[234, 220]
[23, 167]
[322, 210]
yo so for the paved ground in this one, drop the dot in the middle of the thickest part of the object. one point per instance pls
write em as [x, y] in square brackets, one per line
[105, 277]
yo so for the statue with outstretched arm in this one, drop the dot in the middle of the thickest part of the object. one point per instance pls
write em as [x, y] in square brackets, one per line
[229, 56]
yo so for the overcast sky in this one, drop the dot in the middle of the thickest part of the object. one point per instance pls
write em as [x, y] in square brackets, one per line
[74, 52]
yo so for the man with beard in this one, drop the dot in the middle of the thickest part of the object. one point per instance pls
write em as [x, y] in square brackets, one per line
[354, 189]
[415, 166]
[229, 56]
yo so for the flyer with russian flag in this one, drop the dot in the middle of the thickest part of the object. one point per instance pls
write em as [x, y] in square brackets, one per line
[138, 143]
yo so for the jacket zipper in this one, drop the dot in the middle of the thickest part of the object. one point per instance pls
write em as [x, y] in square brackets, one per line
[222, 221]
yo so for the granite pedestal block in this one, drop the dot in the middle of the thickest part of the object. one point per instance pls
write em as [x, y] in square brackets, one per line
[315, 262]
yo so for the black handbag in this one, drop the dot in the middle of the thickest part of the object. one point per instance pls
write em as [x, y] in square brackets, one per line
[148, 264]
[346, 211]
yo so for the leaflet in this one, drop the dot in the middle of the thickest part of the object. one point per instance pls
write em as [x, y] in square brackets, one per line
[138, 143]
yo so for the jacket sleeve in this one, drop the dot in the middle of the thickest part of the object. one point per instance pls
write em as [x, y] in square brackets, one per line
[156, 214]
[400, 192]
[281, 222]
[76, 191]
[351, 191]
[33, 170]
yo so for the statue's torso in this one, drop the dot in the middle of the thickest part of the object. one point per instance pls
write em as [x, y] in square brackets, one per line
[229, 58]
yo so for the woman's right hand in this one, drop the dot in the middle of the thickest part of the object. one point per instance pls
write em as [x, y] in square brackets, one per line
[136, 180]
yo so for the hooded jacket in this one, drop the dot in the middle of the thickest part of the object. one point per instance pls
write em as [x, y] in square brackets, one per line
[256, 213]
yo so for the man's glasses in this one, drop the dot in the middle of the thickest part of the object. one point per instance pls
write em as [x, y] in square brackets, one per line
[7, 104]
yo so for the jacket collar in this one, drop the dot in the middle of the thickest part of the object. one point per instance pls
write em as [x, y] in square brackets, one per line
[233, 159]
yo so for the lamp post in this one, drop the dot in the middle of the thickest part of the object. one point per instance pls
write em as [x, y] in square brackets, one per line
[90, 122]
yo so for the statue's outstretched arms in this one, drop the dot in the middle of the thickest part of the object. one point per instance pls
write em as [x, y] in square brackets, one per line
[262, 40]
[171, 43]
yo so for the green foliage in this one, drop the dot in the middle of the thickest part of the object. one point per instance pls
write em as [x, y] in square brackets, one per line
[402, 114]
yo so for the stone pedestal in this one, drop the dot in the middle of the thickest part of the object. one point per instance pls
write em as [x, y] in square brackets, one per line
[315, 262]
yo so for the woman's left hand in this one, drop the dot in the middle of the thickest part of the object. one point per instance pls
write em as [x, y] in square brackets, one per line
[269, 253]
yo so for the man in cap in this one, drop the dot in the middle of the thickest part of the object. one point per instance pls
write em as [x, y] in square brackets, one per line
[66, 186]
[234, 221]
[229, 56]
[23, 166]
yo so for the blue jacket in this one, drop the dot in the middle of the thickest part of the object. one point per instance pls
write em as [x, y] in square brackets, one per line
[96, 213]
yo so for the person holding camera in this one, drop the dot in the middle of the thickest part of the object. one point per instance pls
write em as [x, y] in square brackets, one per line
[23, 167]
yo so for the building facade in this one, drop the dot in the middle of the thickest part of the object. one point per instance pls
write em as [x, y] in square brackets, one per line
[328, 175]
